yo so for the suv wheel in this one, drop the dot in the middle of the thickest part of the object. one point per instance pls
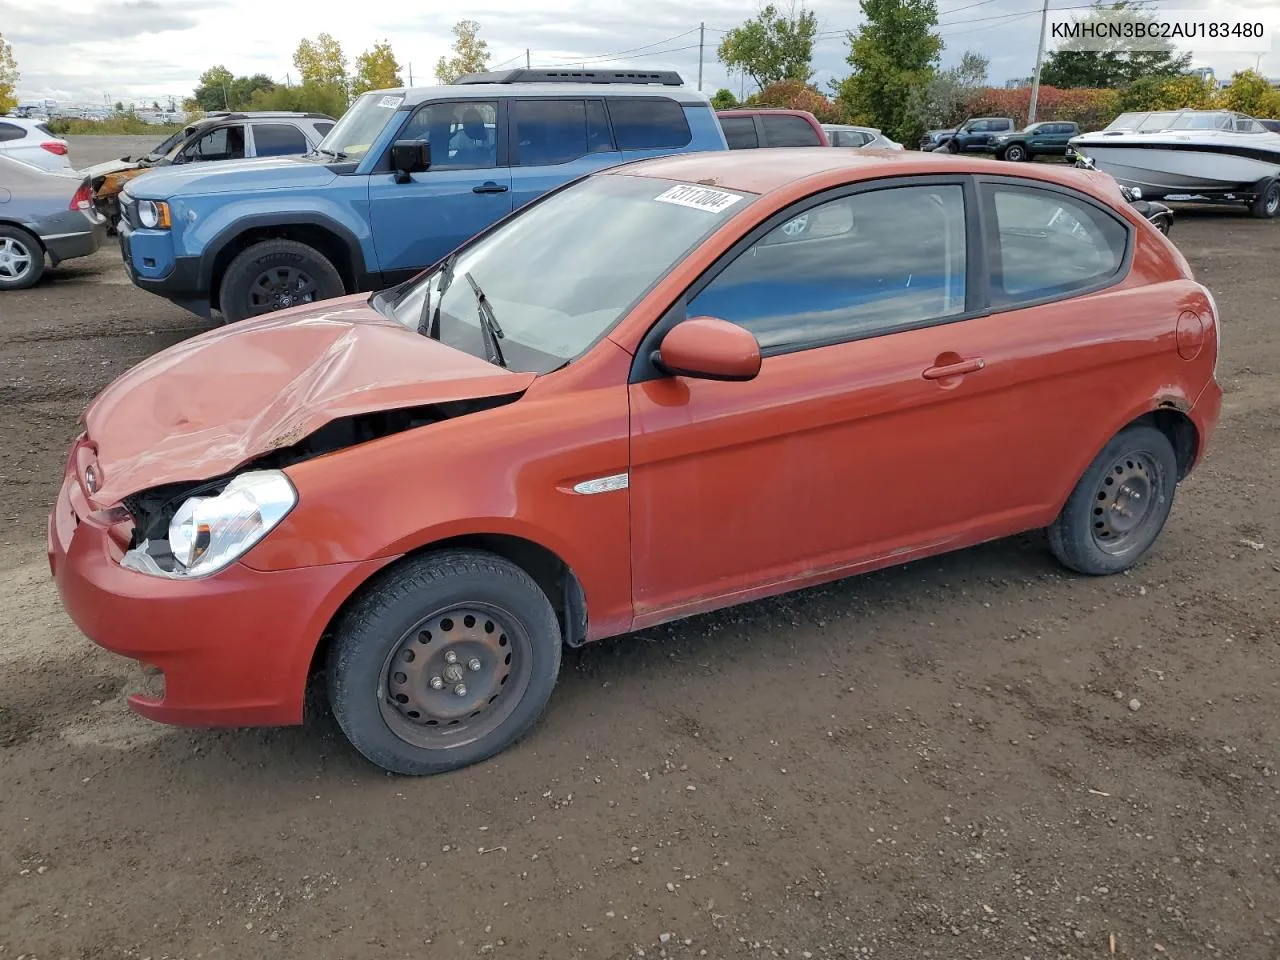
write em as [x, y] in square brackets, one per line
[276, 275]
[1015, 153]
[21, 259]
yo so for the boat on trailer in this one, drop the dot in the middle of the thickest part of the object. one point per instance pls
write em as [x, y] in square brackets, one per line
[1200, 155]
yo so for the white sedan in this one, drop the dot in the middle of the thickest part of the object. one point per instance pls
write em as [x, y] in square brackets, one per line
[32, 142]
[848, 135]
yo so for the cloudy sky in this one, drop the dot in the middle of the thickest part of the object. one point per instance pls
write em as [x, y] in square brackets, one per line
[96, 50]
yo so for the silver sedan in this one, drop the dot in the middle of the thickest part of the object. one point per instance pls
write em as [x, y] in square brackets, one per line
[848, 135]
[43, 214]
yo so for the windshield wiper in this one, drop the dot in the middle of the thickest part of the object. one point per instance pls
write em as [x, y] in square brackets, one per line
[488, 323]
[446, 277]
[336, 154]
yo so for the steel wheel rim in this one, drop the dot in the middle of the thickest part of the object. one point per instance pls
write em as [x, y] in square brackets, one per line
[1125, 502]
[280, 288]
[1273, 199]
[475, 646]
[15, 259]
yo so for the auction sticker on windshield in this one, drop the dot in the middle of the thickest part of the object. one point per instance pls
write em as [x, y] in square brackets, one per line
[700, 198]
[391, 102]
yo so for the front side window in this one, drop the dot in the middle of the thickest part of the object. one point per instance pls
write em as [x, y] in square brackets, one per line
[854, 267]
[224, 143]
[551, 132]
[563, 272]
[1050, 244]
[641, 123]
[784, 130]
[463, 134]
[278, 140]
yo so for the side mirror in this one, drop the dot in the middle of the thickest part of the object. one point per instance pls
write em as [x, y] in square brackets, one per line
[409, 157]
[709, 349]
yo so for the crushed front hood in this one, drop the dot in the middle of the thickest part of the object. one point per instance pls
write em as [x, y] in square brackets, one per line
[110, 166]
[210, 404]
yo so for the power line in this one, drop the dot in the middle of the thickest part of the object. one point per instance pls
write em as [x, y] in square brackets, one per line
[655, 53]
[620, 53]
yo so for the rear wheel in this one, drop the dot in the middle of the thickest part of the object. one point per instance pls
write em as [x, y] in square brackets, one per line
[1267, 203]
[276, 275]
[21, 259]
[1117, 510]
[447, 660]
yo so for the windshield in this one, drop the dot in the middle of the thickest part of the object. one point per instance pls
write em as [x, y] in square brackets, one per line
[355, 132]
[172, 143]
[560, 275]
[1202, 121]
[1156, 122]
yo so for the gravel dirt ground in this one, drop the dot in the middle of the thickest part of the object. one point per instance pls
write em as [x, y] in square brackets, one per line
[977, 756]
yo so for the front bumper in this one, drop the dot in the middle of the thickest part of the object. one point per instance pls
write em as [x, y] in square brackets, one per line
[152, 267]
[234, 648]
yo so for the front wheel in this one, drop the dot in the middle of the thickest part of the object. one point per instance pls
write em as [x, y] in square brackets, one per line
[1015, 153]
[276, 275]
[1120, 505]
[447, 660]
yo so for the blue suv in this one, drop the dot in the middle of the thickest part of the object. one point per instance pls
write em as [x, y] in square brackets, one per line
[405, 177]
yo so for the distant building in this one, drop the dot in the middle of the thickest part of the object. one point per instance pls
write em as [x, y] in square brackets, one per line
[1018, 83]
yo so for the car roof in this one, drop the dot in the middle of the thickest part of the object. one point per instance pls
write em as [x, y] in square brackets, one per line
[778, 168]
[414, 96]
[747, 111]
[219, 115]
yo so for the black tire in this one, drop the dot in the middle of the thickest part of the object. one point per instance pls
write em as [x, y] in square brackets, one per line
[275, 275]
[952, 147]
[1266, 204]
[391, 627]
[21, 259]
[1089, 536]
[1016, 153]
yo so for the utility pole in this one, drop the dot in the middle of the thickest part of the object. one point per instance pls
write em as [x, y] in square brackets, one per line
[411, 74]
[526, 58]
[702, 33]
[1035, 80]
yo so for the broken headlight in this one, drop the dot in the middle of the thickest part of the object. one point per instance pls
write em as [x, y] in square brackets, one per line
[207, 533]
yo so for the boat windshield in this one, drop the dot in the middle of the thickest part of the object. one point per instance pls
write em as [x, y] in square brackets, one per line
[1126, 121]
[1157, 121]
[1192, 120]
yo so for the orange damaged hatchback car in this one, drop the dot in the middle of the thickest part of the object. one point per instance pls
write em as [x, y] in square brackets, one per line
[671, 386]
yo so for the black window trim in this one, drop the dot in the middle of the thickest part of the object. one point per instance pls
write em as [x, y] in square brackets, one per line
[991, 246]
[513, 145]
[976, 274]
[501, 134]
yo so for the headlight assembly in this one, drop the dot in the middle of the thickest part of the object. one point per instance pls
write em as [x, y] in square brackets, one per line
[153, 214]
[207, 534]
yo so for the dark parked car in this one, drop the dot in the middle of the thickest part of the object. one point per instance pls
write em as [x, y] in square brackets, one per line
[1047, 138]
[745, 129]
[1272, 125]
[43, 213]
[972, 136]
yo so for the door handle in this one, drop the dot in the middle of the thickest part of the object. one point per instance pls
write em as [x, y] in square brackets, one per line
[957, 369]
[490, 187]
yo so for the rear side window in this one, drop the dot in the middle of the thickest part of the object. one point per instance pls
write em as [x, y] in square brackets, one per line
[551, 132]
[1050, 244]
[323, 128]
[740, 132]
[11, 131]
[278, 140]
[642, 124]
[784, 130]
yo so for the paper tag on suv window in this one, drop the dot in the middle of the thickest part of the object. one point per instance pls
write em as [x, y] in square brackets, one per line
[700, 198]
[390, 102]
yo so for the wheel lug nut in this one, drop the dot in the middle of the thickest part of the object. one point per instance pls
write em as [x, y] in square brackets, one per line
[460, 689]
[437, 683]
[450, 657]
[474, 665]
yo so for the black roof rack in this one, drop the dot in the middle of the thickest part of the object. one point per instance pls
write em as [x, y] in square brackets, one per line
[667, 78]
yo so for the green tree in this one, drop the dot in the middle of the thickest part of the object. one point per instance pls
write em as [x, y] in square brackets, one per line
[470, 53]
[321, 62]
[213, 89]
[945, 99]
[724, 99]
[305, 98]
[1249, 92]
[1113, 66]
[894, 55]
[771, 46]
[119, 106]
[376, 69]
[8, 77]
